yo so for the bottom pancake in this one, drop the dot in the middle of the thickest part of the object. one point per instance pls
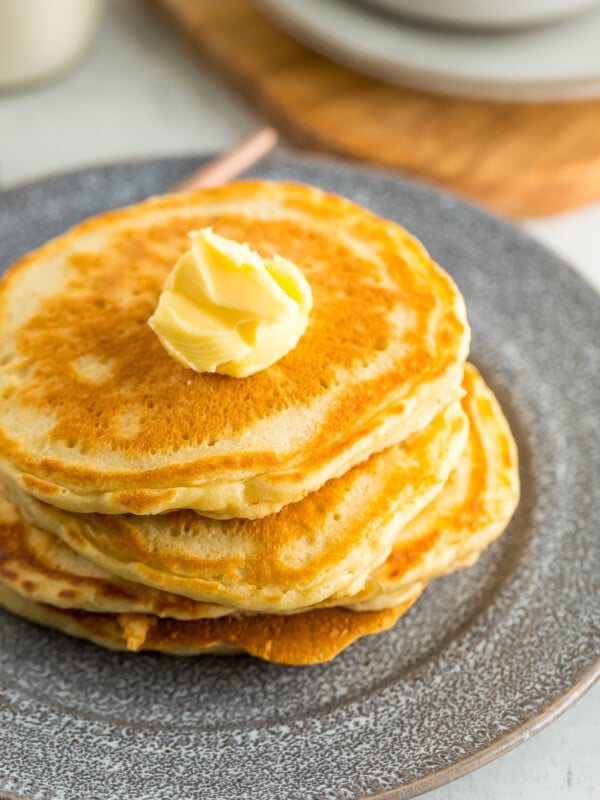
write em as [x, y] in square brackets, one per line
[311, 637]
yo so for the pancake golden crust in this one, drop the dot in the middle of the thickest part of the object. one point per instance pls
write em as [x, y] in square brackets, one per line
[39, 566]
[323, 545]
[472, 509]
[96, 416]
[308, 638]
[470, 512]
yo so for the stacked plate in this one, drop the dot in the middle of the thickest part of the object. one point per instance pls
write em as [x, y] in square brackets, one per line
[534, 50]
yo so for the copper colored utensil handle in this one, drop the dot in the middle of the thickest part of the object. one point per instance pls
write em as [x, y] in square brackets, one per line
[232, 163]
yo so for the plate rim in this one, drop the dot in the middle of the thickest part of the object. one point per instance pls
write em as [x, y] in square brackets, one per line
[491, 752]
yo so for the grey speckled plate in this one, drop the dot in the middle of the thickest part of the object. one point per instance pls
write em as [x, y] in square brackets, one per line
[485, 658]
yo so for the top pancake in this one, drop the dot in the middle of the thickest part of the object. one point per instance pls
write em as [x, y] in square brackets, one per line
[96, 416]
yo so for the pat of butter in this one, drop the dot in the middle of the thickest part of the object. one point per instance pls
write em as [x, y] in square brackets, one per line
[226, 309]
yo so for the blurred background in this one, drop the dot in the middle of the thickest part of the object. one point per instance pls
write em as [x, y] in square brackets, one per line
[497, 101]
[103, 80]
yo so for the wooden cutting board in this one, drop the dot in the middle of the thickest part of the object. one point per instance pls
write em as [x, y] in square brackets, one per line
[520, 159]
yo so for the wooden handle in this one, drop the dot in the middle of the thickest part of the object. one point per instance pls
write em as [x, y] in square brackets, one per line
[232, 163]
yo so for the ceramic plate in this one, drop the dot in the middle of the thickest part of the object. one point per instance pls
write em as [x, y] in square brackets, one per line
[553, 62]
[485, 658]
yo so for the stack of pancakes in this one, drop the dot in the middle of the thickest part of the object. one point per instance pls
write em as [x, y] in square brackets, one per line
[147, 506]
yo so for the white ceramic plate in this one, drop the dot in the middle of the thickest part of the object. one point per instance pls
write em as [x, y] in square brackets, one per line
[484, 14]
[556, 62]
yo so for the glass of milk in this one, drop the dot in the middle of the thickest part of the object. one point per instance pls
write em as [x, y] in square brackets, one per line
[39, 38]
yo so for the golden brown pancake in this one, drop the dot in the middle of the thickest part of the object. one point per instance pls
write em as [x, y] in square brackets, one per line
[324, 545]
[41, 567]
[308, 638]
[472, 509]
[97, 417]
[470, 512]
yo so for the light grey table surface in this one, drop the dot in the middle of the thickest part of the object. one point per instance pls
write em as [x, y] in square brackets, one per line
[141, 93]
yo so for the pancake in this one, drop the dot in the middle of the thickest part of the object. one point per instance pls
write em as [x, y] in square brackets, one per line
[472, 509]
[41, 567]
[97, 417]
[308, 638]
[324, 545]
[45, 581]
[470, 512]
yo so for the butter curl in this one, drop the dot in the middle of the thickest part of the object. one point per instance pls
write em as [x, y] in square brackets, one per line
[226, 309]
